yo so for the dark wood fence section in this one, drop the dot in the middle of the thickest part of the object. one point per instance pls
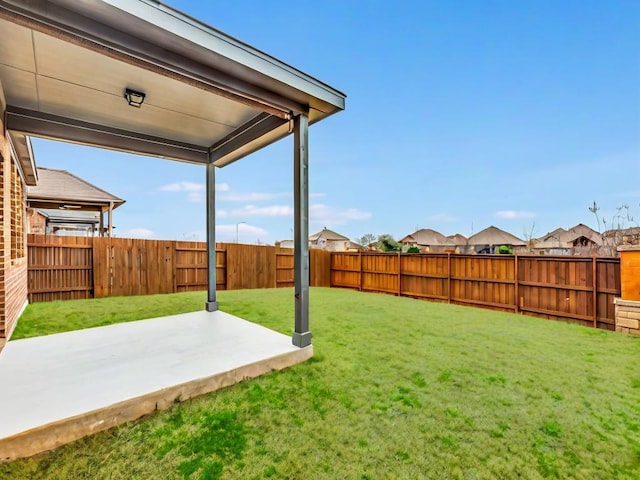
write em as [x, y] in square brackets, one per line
[576, 289]
[64, 268]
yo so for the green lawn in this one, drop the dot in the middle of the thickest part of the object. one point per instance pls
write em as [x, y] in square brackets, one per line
[398, 389]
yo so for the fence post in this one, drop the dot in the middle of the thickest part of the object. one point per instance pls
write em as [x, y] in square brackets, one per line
[360, 273]
[594, 269]
[516, 280]
[399, 274]
[173, 262]
[448, 277]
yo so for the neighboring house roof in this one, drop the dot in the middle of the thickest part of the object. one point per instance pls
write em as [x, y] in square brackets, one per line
[59, 187]
[428, 237]
[284, 243]
[458, 239]
[356, 246]
[327, 235]
[588, 232]
[495, 236]
[554, 234]
[560, 236]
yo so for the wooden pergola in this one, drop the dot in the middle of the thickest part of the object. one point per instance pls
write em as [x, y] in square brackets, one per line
[141, 77]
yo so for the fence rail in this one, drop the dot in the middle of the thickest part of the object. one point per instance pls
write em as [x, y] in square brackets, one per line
[577, 289]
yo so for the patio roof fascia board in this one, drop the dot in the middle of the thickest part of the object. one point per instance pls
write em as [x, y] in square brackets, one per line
[253, 146]
[254, 129]
[69, 26]
[196, 39]
[54, 127]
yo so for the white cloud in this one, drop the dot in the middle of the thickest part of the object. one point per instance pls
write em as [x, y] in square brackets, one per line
[318, 213]
[442, 217]
[251, 196]
[182, 187]
[513, 214]
[139, 232]
[246, 233]
[194, 236]
[195, 191]
[260, 196]
[268, 211]
[328, 216]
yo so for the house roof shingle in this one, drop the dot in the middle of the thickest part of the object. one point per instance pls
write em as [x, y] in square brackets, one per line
[64, 187]
[495, 236]
[428, 237]
[458, 239]
[327, 235]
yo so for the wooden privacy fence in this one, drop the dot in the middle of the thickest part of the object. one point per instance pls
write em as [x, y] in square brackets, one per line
[577, 289]
[63, 268]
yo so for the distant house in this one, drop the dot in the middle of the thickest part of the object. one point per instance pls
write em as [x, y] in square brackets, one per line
[64, 203]
[284, 243]
[578, 240]
[492, 238]
[356, 247]
[329, 240]
[462, 242]
[428, 240]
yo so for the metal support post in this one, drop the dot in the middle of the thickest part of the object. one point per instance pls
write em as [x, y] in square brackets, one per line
[301, 334]
[212, 304]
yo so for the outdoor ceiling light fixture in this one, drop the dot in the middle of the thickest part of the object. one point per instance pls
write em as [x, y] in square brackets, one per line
[134, 98]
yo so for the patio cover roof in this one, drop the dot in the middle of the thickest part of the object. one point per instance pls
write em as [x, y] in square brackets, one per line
[65, 66]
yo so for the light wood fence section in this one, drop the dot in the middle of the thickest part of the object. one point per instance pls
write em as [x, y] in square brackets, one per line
[63, 268]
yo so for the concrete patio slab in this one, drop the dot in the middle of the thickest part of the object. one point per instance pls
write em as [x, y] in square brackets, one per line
[62, 387]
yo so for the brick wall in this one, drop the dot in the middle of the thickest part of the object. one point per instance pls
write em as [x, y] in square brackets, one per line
[13, 258]
[627, 316]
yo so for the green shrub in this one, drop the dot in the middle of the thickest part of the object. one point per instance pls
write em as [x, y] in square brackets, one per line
[505, 250]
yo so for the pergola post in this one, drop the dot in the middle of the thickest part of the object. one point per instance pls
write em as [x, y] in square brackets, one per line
[301, 334]
[211, 305]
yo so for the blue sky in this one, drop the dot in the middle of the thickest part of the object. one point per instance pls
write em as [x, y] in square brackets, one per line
[460, 115]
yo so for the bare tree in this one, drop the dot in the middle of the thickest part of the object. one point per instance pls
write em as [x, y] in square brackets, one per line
[529, 235]
[367, 239]
[620, 230]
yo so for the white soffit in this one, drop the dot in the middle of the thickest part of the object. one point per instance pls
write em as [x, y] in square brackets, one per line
[61, 81]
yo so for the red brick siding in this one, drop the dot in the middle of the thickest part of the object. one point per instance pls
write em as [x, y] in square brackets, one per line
[15, 298]
[13, 259]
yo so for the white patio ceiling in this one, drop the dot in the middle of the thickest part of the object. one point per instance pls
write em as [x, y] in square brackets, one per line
[65, 65]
